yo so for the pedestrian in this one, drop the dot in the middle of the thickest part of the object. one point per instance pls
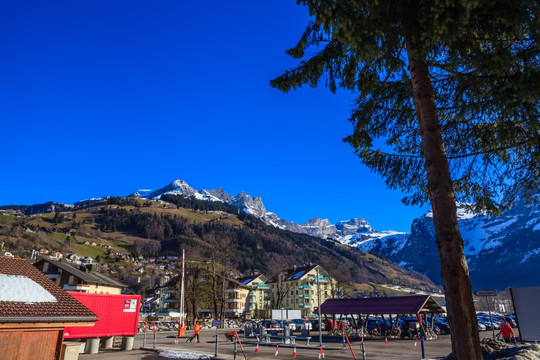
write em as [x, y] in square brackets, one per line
[196, 332]
[507, 332]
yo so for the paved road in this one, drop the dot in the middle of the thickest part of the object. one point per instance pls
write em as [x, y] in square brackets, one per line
[395, 349]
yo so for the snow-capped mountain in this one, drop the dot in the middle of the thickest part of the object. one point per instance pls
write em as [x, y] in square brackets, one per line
[501, 250]
[353, 232]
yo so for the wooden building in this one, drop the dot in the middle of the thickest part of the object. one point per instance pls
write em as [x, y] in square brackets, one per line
[34, 312]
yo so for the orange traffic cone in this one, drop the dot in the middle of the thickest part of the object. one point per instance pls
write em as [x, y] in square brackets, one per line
[277, 350]
[415, 342]
[321, 354]
[386, 341]
[257, 348]
[176, 340]
[294, 353]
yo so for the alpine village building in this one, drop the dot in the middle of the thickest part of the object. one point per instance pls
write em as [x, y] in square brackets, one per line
[255, 296]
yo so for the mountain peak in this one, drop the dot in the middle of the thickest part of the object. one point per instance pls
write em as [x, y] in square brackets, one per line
[179, 183]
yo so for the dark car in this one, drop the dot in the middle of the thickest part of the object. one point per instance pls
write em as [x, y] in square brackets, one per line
[444, 327]
[315, 325]
[267, 324]
[410, 328]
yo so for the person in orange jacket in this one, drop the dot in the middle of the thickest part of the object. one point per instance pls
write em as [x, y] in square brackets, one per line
[196, 332]
[507, 332]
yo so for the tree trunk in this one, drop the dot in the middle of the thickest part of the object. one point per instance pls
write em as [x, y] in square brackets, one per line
[454, 269]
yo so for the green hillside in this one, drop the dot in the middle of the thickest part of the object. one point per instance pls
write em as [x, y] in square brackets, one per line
[113, 227]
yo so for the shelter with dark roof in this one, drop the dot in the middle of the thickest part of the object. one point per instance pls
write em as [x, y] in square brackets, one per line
[72, 278]
[34, 312]
[393, 305]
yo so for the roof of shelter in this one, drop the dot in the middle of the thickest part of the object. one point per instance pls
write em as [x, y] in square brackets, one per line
[412, 304]
[27, 295]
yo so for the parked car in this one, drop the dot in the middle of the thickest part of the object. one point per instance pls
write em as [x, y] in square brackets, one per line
[442, 325]
[302, 324]
[410, 328]
[286, 323]
[487, 322]
[315, 325]
[267, 324]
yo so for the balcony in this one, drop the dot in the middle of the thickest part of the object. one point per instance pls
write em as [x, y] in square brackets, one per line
[305, 305]
[232, 290]
[52, 275]
[305, 287]
[233, 311]
[233, 300]
[77, 287]
[305, 296]
[263, 286]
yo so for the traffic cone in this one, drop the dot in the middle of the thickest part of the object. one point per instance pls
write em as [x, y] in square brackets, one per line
[196, 342]
[294, 353]
[257, 348]
[386, 340]
[277, 350]
[321, 354]
[176, 340]
[415, 342]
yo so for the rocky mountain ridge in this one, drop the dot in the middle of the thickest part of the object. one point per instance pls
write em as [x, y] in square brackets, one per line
[501, 250]
[351, 232]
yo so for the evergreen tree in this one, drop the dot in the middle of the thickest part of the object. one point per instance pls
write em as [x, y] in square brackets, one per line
[446, 108]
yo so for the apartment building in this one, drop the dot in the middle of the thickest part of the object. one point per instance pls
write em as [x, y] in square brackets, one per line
[258, 301]
[296, 289]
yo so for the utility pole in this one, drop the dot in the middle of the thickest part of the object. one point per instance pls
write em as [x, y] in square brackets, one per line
[182, 323]
[319, 307]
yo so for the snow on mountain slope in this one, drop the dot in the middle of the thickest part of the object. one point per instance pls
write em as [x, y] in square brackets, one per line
[352, 232]
[501, 250]
[493, 245]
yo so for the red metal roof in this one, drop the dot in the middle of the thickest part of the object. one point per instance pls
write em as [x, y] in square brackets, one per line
[413, 304]
[64, 309]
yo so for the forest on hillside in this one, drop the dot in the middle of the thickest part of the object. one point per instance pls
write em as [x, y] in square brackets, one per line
[228, 235]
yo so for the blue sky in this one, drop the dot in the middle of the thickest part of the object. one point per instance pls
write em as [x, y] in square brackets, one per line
[103, 98]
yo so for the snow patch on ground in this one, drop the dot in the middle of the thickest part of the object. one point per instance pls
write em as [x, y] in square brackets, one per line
[410, 290]
[182, 355]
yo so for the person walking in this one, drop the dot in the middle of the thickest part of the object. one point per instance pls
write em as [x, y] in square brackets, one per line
[507, 332]
[196, 332]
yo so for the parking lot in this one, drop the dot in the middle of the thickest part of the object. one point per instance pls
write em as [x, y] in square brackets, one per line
[394, 349]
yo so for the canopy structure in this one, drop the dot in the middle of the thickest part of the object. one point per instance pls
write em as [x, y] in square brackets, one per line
[413, 304]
